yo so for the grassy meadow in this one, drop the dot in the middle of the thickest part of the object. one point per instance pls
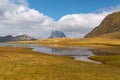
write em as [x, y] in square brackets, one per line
[113, 60]
[39, 66]
[75, 42]
[25, 64]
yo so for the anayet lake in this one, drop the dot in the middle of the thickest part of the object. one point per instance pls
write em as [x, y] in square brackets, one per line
[78, 53]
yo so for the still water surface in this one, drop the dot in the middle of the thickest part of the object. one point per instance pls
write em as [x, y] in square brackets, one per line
[78, 53]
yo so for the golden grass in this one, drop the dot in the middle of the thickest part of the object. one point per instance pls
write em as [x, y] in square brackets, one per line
[113, 60]
[113, 35]
[24, 64]
[75, 42]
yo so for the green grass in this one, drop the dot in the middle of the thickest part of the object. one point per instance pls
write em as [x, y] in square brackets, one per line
[24, 64]
[113, 60]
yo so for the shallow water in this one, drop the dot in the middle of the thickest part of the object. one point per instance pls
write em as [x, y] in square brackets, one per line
[78, 53]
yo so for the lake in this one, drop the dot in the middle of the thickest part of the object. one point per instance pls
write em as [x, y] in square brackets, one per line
[78, 53]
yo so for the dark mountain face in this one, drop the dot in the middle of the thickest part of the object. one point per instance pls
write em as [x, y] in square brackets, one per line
[57, 34]
[16, 38]
[6, 38]
[110, 24]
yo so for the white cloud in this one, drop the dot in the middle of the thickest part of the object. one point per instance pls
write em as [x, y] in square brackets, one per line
[17, 18]
[110, 9]
[79, 24]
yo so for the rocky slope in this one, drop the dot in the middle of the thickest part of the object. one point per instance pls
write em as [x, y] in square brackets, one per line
[23, 37]
[110, 24]
[57, 34]
[114, 35]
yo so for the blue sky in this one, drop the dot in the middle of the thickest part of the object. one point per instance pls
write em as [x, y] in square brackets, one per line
[58, 8]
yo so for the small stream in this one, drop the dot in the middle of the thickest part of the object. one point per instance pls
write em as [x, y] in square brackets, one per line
[78, 53]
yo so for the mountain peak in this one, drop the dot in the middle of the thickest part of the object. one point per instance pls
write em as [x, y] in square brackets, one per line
[57, 34]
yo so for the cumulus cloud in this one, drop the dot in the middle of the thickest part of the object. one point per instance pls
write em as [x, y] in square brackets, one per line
[17, 18]
[78, 25]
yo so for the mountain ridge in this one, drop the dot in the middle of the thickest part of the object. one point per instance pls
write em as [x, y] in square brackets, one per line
[16, 38]
[110, 24]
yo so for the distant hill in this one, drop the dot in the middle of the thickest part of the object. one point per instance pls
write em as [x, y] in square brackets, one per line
[6, 38]
[16, 38]
[57, 34]
[110, 24]
[23, 37]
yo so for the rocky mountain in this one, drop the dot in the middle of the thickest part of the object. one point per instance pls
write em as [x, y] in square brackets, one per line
[16, 38]
[110, 24]
[6, 38]
[23, 37]
[57, 34]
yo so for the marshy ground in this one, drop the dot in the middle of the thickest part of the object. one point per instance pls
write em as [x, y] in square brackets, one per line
[25, 64]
